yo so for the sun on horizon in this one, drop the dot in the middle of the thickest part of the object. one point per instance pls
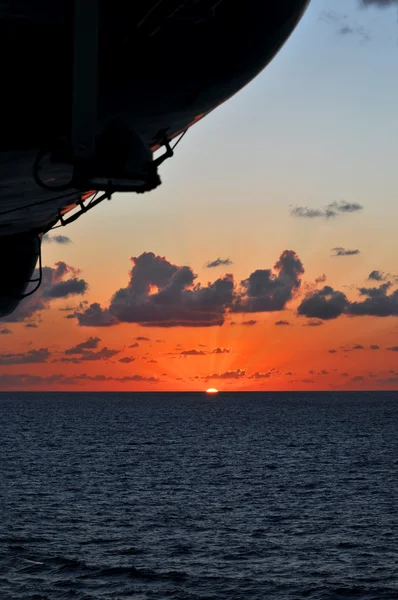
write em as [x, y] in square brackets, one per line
[211, 391]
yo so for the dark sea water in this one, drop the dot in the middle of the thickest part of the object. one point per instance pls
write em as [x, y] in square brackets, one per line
[240, 496]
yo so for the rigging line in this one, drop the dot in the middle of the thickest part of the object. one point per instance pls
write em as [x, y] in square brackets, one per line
[179, 139]
[150, 11]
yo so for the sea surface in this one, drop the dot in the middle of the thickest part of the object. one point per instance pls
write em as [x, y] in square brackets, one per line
[189, 497]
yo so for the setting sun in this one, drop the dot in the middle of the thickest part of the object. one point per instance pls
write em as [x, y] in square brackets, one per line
[212, 391]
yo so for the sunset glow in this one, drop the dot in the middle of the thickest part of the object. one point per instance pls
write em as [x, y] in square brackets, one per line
[212, 391]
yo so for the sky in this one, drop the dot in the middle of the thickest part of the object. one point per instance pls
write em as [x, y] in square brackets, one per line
[268, 257]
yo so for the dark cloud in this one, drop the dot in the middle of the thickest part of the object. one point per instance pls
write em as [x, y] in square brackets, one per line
[31, 325]
[248, 323]
[95, 316]
[374, 347]
[135, 345]
[393, 348]
[323, 304]
[160, 294]
[141, 338]
[30, 357]
[339, 251]
[377, 276]
[331, 210]
[89, 344]
[61, 281]
[265, 291]
[5, 331]
[56, 239]
[259, 375]
[152, 361]
[195, 352]
[378, 302]
[332, 351]
[237, 374]
[103, 354]
[25, 380]
[127, 360]
[358, 347]
[219, 262]
[282, 323]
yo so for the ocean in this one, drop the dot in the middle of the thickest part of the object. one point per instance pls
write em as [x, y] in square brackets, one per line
[190, 497]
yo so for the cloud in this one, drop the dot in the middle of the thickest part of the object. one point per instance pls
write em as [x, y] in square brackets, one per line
[314, 323]
[160, 294]
[5, 331]
[60, 281]
[265, 291]
[358, 347]
[380, 3]
[31, 325]
[89, 344]
[141, 338]
[323, 304]
[377, 276]
[331, 210]
[339, 251]
[56, 239]
[343, 27]
[378, 302]
[25, 380]
[374, 347]
[237, 374]
[195, 352]
[219, 262]
[135, 345]
[282, 323]
[249, 323]
[321, 279]
[126, 360]
[332, 351]
[30, 357]
[393, 349]
[103, 354]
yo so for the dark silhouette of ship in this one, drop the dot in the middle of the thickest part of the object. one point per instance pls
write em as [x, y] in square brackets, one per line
[92, 88]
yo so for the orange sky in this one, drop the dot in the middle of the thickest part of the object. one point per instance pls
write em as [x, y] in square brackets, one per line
[315, 132]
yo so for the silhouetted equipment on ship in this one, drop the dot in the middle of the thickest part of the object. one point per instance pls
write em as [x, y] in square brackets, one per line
[91, 89]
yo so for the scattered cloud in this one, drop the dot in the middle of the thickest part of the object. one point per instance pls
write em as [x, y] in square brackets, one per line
[314, 323]
[339, 251]
[56, 239]
[374, 347]
[248, 323]
[331, 210]
[219, 262]
[26, 381]
[31, 357]
[377, 276]
[393, 348]
[321, 279]
[89, 344]
[323, 304]
[282, 323]
[5, 331]
[126, 360]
